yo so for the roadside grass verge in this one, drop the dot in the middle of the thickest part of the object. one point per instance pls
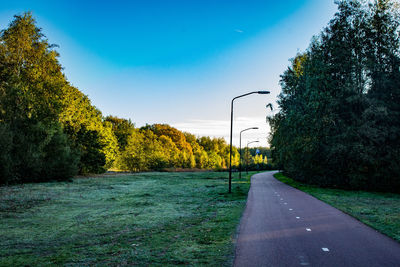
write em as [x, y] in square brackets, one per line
[141, 219]
[381, 211]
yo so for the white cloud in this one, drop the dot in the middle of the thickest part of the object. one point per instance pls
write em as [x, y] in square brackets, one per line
[221, 128]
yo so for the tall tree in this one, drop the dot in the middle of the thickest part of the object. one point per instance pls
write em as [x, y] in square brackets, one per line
[31, 89]
[334, 127]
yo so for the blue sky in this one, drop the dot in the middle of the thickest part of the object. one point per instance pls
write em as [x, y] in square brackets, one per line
[179, 62]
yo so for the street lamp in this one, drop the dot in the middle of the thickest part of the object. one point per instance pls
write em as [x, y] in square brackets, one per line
[240, 149]
[247, 161]
[230, 149]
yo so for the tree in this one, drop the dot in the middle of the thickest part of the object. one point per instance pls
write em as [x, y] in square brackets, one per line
[185, 155]
[199, 155]
[31, 81]
[78, 113]
[335, 127]
[381, 128]
[122, 128]
[31, 93]
[133, 156]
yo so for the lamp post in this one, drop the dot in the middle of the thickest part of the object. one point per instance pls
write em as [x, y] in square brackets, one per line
[240, 149]
[230, 149]
[247, 161]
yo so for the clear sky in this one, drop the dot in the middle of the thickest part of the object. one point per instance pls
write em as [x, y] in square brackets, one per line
[179, 62]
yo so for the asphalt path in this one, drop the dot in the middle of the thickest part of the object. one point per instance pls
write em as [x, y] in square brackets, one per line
[282, 226]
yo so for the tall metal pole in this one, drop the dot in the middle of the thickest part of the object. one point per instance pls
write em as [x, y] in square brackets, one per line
[230, 139]
[240, 155]
[240, 149]
[230, 150]
[247, 159]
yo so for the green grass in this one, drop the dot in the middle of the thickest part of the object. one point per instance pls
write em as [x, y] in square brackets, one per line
[378, 210]
[142, 219]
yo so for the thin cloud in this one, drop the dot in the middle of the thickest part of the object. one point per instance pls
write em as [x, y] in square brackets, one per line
[239, 30]
[221, 128]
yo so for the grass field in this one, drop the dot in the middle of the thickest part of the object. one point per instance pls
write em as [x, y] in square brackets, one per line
[378, 210]
[140, 219]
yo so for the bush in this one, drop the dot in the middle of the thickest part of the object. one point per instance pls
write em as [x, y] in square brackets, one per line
[259, 167]
[6, 140]
[59, 160]
[92, 159]
[33, 152]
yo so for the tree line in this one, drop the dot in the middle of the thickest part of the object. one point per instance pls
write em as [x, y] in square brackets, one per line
[160, 146]
[49, 130]
[339, 119]
[256, 159]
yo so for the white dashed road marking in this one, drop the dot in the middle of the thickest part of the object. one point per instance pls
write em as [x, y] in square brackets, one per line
[325, 249]
[297, 217]
[285, 203]
[303, 261]
[308, 229]
[290, 209]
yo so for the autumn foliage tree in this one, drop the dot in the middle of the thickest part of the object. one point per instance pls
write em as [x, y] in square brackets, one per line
[160, 146]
